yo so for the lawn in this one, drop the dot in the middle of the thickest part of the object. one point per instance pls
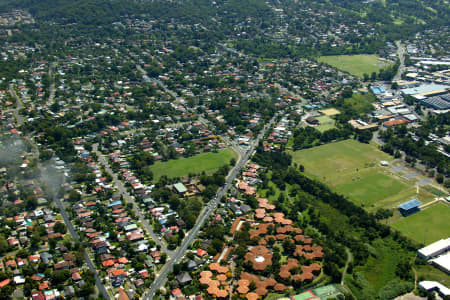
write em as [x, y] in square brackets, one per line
[426, 226]
[371, 187]
[361, 103]
[353, 169]
[208, 162]
[355, 64]
[432, 273]
[326, 123]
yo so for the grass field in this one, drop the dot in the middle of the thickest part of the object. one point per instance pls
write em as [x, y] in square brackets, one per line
[326, 123]
[354, 64]
[432, 273]
[208, 162]
[361, 103]
[426, 226]
[353, 169]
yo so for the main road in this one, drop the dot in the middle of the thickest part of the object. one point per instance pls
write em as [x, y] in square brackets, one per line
[401, 57]
[162, 276]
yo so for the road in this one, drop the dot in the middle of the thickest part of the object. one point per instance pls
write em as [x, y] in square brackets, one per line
[162, 276]
[19, 105]
[101, 288]
[401, 56]
[52, 85]
[123, 191]
[181, 101]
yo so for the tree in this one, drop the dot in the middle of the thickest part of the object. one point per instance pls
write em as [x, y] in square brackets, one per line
[74, 196]
[347, 92]
[4, 247]
[440, 178]
[60, 227]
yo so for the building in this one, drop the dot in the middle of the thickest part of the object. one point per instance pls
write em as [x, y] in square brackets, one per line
[435, 286]
[361, 125]
[180, 188]
[426, 90]
[395, 122]
[441, 102]
[410, 207]
[312, 121]
[378, 90]
[435, 249]
[442, 262]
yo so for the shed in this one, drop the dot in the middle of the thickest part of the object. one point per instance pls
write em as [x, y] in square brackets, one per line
[409, 207]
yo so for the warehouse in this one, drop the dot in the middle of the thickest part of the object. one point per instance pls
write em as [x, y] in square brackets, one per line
[438, 102]
[426, 90]
[435, 249]
[442, 262]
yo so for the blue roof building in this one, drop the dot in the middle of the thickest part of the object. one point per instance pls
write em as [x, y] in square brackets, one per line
[409, 207]
[117, 202]
[377, 90]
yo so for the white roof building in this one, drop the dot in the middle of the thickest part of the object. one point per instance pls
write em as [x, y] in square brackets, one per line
[442, 262]
[433, 285]
[435, 249]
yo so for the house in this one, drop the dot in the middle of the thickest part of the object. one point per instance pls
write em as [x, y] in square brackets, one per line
[122, 295]
[37, 296]
[180, 188]
[312, 121]
[201, 252]
[69, 291]
[191, 265]
[4, 283]
[184, 278]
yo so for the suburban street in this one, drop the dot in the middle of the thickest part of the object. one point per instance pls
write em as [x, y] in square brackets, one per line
[52, 85]
[100, 286]
[123, 191]
[180, 252]
[19, 105]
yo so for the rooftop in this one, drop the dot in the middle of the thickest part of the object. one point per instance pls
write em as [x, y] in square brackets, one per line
[425, 89]
[435, 247]
[410, 204]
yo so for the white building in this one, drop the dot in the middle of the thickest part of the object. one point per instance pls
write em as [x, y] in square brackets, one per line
[435, 249]
[442, 262]
[435, 286]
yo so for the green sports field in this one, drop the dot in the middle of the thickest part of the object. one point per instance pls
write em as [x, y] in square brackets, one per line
[208, 162]
[326, 123]
[426, 226]
[355, 64]
[353, 169]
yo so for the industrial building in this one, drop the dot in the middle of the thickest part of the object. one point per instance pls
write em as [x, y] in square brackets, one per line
[442, 262]
[428, 90]
[435, 286]
[441, 102]
[435, 249]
